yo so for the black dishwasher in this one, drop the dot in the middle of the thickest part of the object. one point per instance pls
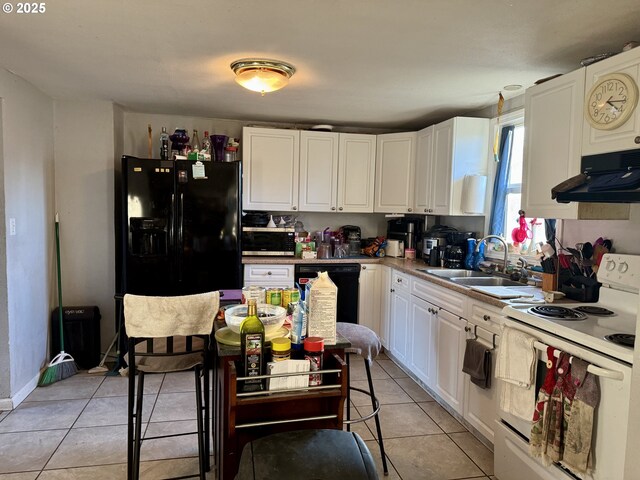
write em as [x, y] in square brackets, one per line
[346, 276]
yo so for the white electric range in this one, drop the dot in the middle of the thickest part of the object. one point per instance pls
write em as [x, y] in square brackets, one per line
[601, 333]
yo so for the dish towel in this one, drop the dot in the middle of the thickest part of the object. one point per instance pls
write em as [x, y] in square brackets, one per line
[477, 363]
[516, 367]
[561, 400]
[577, 448]
[542, 413]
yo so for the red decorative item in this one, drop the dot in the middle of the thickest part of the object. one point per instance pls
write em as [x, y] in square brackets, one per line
[521, 233]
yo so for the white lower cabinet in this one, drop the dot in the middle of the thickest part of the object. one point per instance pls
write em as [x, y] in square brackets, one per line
[281, 276]
[451, 338]
[385, 305]
[369, 297]
[422, 336]
[399, 317]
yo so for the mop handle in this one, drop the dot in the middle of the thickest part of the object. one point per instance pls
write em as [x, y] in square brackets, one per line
[59, 282]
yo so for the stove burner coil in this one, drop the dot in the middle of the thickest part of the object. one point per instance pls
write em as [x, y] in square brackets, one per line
[625, 339]
[556, 312]
[592, 310]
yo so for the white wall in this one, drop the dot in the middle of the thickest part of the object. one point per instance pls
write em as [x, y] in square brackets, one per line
[28, 186]
[85, 153]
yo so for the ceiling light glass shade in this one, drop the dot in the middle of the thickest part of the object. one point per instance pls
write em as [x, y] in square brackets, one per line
[261, 75]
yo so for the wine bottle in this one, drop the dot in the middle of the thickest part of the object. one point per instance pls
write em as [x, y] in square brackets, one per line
[195, 141]
[252, 347]
[164, 144]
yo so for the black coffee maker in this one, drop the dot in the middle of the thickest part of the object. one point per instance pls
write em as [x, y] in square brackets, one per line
[407, 229]
[456, 249]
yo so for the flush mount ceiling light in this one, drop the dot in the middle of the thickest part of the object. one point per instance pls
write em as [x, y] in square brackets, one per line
[513, 87]
[262, 75]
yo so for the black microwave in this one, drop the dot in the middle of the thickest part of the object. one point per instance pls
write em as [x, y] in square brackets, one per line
[268, 241]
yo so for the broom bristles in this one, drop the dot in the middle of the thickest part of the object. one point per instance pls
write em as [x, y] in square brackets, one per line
[62, 366]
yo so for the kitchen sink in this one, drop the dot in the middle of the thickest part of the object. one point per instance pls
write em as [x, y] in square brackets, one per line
[487, 281]
[454, 273]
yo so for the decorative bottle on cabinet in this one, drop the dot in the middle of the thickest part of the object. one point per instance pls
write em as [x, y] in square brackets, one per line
[164, 144]
[252, 347]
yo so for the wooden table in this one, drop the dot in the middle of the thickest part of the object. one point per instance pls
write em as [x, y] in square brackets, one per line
[239, 418]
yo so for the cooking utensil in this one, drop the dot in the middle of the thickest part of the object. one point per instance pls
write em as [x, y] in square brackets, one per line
[587, 250]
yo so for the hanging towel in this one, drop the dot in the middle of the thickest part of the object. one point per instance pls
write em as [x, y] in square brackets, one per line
[516, 367]
[542, 413]
[477, 363]
[577, 449]
[561, 400]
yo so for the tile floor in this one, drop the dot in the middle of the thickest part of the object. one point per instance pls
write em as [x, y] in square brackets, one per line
[76, 429]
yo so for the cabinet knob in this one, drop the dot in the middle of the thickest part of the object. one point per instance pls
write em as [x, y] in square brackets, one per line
[364, 267]
[637, 140]
[410, 209]
[399, 280]
[486, 317]
[340, 208]
[294, 208]
[268, 273]
[392, 290]
[467, 329]
[333, 208]
[426, 209]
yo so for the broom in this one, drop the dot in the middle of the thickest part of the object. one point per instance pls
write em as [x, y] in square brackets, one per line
[63, 365]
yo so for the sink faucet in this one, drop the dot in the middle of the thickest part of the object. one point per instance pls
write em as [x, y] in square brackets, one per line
[506, 249]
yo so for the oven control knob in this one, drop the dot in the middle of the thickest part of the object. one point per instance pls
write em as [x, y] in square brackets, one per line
[611, 265]
[623, 267]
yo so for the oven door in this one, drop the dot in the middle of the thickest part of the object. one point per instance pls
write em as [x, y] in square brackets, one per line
[511, 446]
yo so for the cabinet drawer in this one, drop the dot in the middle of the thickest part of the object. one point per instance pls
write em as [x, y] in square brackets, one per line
[483, 313]
[400, 281]
[450, 301]
[281, 274]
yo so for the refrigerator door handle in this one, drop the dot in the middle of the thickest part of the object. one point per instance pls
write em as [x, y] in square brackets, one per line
[172, 219]
[180, 236]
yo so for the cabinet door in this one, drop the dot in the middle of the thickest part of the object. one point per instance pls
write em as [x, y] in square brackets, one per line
[624, 137]
[385, 304]
[399, 326]
[553, 128]
[318, 171]
[442, 164]
[356, 172]
[260, 274]
[421, 334]
[480, 408]
[271, 161]
[395, 165]
[424, 171]
[369, 297]
[451, 342]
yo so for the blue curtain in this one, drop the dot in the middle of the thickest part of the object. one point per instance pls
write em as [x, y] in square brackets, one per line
[496, 224]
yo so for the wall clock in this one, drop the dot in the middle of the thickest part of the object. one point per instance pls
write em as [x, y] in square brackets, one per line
[611, 101]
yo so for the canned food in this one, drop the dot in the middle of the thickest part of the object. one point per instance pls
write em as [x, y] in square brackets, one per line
[255, 292]
[274, 296]
[289, 295]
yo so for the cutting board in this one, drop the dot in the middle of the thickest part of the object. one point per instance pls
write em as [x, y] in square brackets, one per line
[502, 292]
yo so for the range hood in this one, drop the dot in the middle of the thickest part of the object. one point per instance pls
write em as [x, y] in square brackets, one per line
[605, 178]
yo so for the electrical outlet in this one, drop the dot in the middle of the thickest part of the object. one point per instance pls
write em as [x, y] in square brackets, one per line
[12, 226]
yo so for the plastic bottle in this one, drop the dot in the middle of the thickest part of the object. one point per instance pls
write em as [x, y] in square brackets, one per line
[164, 144]
[313, 351]
[252, 347]
[478, 257]
[280, 349]
[469, 258]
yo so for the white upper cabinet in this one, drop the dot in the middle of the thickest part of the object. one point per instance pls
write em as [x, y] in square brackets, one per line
[446, 152]
[627, 135]
[553, 132]
[318, 171]
[271, 162]
[356, 172]
[395, 166]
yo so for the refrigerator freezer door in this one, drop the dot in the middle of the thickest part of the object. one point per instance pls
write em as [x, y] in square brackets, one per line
[208, 227]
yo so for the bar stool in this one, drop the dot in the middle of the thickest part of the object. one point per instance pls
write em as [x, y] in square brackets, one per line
[364, 342]
[169, 334]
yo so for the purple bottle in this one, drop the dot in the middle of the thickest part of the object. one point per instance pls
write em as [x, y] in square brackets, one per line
[218, 143]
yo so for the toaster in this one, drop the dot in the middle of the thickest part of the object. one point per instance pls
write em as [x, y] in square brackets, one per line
[394, 248]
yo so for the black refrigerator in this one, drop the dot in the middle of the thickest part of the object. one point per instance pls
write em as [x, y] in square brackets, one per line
[177, 227]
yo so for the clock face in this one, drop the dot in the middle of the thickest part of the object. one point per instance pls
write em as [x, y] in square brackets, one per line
[611, 101]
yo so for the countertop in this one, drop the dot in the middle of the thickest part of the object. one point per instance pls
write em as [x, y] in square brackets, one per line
[407, 266]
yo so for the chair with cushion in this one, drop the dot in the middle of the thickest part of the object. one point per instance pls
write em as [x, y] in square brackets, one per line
[364, 342]
[169, 334]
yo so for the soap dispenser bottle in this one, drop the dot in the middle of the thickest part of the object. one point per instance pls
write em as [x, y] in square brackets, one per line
[468, 259]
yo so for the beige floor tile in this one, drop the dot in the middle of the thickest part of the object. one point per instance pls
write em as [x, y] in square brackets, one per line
[172, 447]
[391, 368]
[178, 382]
[387, 392]
[174, 407]
[374, 448]
[431, 457]
[85, 447]
[100, 472]
[119, 386]
[358, 372]
[415, 391]
[78, 386]
[382, 356]
[25, 451]
[20, 476]
[403, 420]
[3, 414]
[111, 411]
[361, 427]
[46, 415]
[443, 418]
[481, 455]
[172, 468]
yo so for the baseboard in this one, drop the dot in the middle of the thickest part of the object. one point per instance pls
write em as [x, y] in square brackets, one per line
[18, 398]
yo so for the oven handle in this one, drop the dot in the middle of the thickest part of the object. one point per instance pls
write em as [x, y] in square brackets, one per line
[598, 371]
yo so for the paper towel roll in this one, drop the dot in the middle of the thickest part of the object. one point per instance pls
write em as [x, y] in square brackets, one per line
[473, 193]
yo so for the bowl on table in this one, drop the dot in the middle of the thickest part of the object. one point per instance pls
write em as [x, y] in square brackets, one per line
[271, 316]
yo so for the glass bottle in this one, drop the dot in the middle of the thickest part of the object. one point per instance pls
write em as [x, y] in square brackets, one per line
[164, 144]
[252, 347]
[195, 141]
[206, 143]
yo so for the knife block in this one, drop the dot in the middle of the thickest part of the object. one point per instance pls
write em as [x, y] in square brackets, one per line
[549, 282]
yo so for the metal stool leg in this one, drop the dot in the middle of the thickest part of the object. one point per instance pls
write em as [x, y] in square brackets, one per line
[199, 420]
[135, 467]
[348, 392]
[374, 405]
